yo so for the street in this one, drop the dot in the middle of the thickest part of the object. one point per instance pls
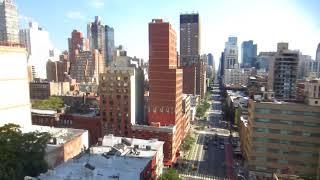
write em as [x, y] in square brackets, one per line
[211, 156]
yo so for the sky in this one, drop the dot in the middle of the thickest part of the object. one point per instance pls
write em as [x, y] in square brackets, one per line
[266, 22]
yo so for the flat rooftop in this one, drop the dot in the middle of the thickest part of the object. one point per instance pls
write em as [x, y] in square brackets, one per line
[62, 134]
[117, 158]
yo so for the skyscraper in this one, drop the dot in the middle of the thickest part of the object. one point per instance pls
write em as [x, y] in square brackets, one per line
[96, 35]
[190, 51]
[318, 53]
[77, 43]
[9, 24]
[165, 78]
[189, 38]
[39, 48]
[110, 48]
[210, 60]
[102, 38]
[248, 54]
[283, 72]
[231, 54]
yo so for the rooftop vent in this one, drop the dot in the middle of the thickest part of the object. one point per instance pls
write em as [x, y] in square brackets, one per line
[89, 166]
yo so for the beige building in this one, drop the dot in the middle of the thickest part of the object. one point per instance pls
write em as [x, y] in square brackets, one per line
[14, 87]
[89, 64]
[43, 90]
[281, 137]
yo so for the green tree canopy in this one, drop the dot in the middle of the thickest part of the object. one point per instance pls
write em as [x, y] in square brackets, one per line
[170, 174]
[51, 103]
[21, 154]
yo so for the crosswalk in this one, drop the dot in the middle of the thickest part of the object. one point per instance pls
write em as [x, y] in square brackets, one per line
[189, 176]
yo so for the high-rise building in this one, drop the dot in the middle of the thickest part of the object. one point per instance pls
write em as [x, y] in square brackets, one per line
[304, 61]
[263, 61]
[77, 43]
[166, 119]
[15, 106]
[201, 72]
[190, 52]
[231, 54]
[96, 35]
[189, 38]
[89, 64]
[221, 65]
[102, 38]
[210, 60]
[110, 47]
[283, 72]
[318, 53]
[39, 48]
[9, 22]
[281, 137]
[312, 68]
[58, 70]
[163, 100]
[121, 90]
[248, 54]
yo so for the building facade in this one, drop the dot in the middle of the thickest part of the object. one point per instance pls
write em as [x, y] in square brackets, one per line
[231, 53]
[43, 90]
[318, 53]
[101, 37]
[76, 44]
[15, 98]
[165, 114]
[121, 92]
[57, 71]
[39, 48]
[283, 72]
[190, 51]
[281, 136]
[110, 47]
[248, 54]
[9, 22]
[115, 158]
[88, 66]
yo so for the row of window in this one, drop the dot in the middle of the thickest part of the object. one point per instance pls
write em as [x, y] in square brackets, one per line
[286, 132]
[286, 142]
[286, 112]
[286, 122]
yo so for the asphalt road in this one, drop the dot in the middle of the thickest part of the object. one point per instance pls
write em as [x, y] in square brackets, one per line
[208, 159]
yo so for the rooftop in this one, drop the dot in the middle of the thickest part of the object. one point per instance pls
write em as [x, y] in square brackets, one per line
[117, 158]
[62, 135]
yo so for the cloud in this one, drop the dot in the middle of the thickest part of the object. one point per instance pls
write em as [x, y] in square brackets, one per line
[75, 15]
[97, 3]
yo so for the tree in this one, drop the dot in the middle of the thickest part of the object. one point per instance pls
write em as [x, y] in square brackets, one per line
[170, 174]
[187, 142]
[21, 154]
[51, 103]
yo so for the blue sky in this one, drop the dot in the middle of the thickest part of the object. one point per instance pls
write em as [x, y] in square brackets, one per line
[264, 21]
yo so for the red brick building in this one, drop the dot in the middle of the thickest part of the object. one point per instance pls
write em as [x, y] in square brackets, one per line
[52, 118]
[166, 120]
[189, 79]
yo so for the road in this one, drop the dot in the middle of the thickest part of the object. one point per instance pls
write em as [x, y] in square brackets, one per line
[211, 158]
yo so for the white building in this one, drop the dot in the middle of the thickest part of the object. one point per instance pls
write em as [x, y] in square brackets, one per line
[9, 22]
[236, 77]
[65, 144]
[14, 87]
[231, 53]
[117, 158]
[39, 48]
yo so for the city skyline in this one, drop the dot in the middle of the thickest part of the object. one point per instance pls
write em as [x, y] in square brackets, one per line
[296, 23]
